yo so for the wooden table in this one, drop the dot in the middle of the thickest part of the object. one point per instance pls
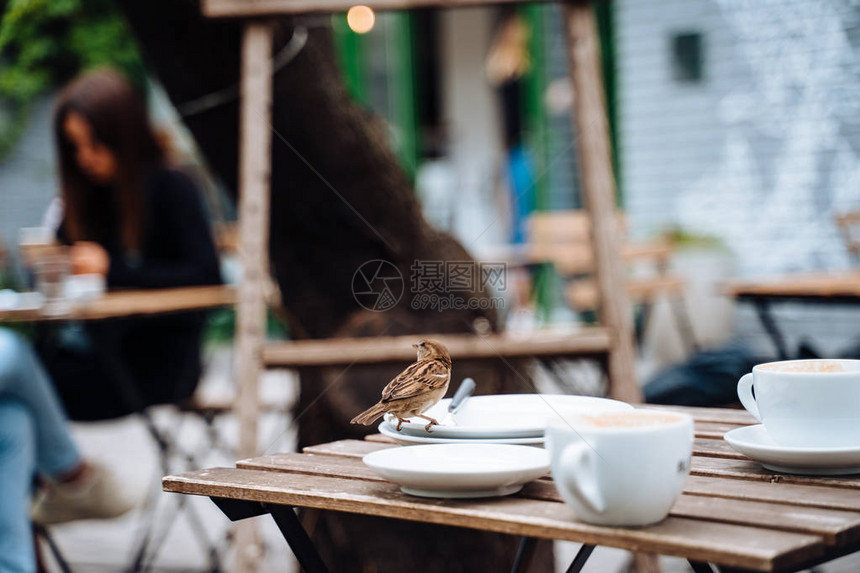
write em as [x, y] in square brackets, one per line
[128, 303]
[819, 288]
[733, 512]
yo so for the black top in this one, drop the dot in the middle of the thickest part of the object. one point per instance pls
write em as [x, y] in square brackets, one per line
[177, 248]
[159, 356]
[511, 107]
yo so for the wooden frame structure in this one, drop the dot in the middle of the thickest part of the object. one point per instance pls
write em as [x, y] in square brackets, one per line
[590, 125]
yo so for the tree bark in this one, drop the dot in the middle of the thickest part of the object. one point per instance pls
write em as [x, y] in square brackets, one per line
[339, 199]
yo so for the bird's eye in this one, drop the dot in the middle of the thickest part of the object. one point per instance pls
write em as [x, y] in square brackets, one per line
[422, 345]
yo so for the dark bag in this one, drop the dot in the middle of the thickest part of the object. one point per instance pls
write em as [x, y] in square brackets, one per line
[708, 378]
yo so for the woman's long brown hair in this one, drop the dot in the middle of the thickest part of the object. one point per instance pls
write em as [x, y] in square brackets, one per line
[118, 118]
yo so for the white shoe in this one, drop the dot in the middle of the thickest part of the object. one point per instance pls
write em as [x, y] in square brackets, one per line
[95, 494]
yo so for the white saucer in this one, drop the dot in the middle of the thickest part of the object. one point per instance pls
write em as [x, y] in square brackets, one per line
[405, 439]
[460, 470]
[753, 441]
[506, 415]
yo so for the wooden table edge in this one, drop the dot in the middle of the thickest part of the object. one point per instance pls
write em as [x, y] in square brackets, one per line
[810, 547]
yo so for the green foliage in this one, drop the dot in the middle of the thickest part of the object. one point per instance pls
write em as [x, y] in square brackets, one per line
[221, 327]
[685, 239]
[44, 43]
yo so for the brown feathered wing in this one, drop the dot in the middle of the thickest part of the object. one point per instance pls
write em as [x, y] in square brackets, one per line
[419, 378]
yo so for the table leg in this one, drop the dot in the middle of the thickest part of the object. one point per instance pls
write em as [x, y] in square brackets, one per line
[236, 509]
[524, 555]
[766, 318]
[581, 557]
[287, 521]
[297, 538]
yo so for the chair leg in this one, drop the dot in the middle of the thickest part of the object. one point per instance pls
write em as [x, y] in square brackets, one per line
[40, 531]
[148, 525]
[684, 324]
[762, 308]
[151, 541]
[198, 529]
[641, 322]
[145, 538]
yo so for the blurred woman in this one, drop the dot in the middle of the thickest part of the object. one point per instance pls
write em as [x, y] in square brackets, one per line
[133, 219]
[130, 217]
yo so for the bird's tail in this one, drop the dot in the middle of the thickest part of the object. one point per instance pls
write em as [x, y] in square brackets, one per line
[370, 415]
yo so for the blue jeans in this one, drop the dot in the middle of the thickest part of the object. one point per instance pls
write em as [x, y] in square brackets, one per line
[34, 439]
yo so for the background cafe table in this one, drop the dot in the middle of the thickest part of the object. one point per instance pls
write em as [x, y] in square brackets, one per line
[819, 288]
[128, 303]
[733, 513]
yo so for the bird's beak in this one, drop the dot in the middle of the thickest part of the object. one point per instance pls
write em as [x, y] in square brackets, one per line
[414, 346]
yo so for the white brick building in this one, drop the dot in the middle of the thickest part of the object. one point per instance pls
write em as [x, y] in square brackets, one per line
[761, 152]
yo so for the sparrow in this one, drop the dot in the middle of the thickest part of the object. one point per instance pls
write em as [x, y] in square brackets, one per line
[415, 389]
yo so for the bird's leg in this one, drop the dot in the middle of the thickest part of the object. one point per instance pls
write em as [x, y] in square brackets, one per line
[431, 424]
[400, 422]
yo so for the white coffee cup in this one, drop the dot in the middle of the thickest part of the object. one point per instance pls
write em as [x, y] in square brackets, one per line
[85, 288]
[806, 403]
[621, 468]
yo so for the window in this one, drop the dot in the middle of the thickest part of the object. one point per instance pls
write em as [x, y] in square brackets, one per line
[687, 57]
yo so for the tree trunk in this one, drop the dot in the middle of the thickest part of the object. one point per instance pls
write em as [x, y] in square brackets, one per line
[339, 199]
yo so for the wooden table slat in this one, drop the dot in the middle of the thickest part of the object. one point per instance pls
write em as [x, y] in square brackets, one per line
[836, 527]
[713, 430]
[751, 470]
[773, 492]
[715, 415]
[347, 448]
[732, 545]
[708, 446]
[588, 341]
[716, 448]
[705, 432]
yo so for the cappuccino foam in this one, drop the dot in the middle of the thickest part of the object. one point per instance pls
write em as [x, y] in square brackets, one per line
[629, 419]
[805, 366]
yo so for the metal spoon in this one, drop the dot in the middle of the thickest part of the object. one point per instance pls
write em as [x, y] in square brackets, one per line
[462, 394]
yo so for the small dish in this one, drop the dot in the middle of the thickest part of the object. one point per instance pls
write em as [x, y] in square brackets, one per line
[506, 415]
[460, 470]
[405, 439]
[754, 441]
